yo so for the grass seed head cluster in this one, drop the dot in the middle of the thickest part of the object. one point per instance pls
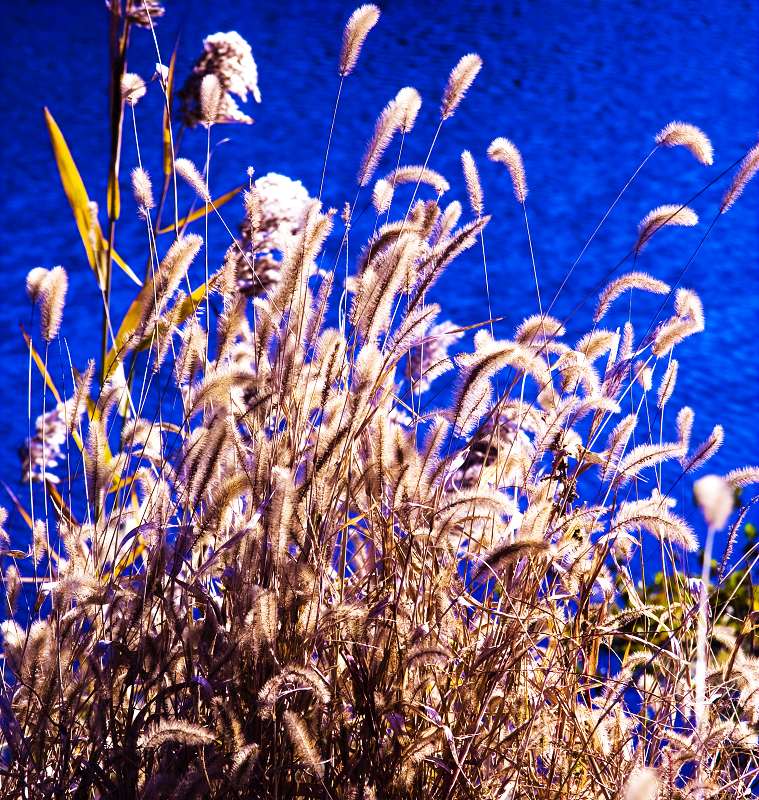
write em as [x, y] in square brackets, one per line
[266, 564]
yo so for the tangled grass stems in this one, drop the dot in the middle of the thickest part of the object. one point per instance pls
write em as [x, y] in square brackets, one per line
[275, 577]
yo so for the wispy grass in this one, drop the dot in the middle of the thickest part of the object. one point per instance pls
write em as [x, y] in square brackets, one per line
[283, 570]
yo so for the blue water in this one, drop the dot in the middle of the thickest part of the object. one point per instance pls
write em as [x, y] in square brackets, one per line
[581, 87]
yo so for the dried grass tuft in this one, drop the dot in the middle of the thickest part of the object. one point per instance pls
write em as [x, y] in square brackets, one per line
[142, 187]
[272, 558]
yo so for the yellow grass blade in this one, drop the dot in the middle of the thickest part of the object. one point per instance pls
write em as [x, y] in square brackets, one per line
[136, 551]
[21, 510]
[191, 302]
[41, 366]
[132, 318]
[50, 385]
[76, 194]
[73, 186]
[167, 162]
[114, 191]
[201, 212]
[120, 261]
[121, 483]
[127, 327]
[60, 504]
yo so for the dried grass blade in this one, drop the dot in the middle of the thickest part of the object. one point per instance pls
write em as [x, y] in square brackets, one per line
[166, 127]
[202, 212]
[76, 194]
[41, 365]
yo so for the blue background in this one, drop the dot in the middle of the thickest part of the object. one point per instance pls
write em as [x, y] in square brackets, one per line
[582, 88]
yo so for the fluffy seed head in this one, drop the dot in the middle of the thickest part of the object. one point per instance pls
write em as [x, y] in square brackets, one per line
[743, 476]
[81, 394]
[505, 152]
[409, 102]
[670, 334]
[303, 742]
[746, 172]
[689, 308]
[34, 280]
[39, 541]
[667, 385]
[473, 185]
[382, 196]
[416, 173]
[187, 170]
[142, 187]
[539, 328]
[53, 298]
[714, 496]
[690, 137]
[617, 287]
[705, 450]
[361, 21]
[132, 88]
[186, 733]
[642, 785]
[388, 124]
[12, 585]
[229, 58]
[661, 216]
[644, 375]
[211, 93]
[176, 262]
[461, 78]
[449, 219]
[684, 425]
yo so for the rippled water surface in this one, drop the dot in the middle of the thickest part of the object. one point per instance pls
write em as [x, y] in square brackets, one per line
[582, 87]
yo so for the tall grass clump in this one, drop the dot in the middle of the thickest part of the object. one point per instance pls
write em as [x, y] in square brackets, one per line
[265, 564]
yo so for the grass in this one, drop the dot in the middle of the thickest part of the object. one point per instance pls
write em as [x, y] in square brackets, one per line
[266, 565]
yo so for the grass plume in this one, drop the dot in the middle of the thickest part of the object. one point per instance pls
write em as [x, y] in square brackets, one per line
[658, 217]
[746, 171]
[271, 557]
[459, 82]
[684, 134]
[505, 152]
[361, 21]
